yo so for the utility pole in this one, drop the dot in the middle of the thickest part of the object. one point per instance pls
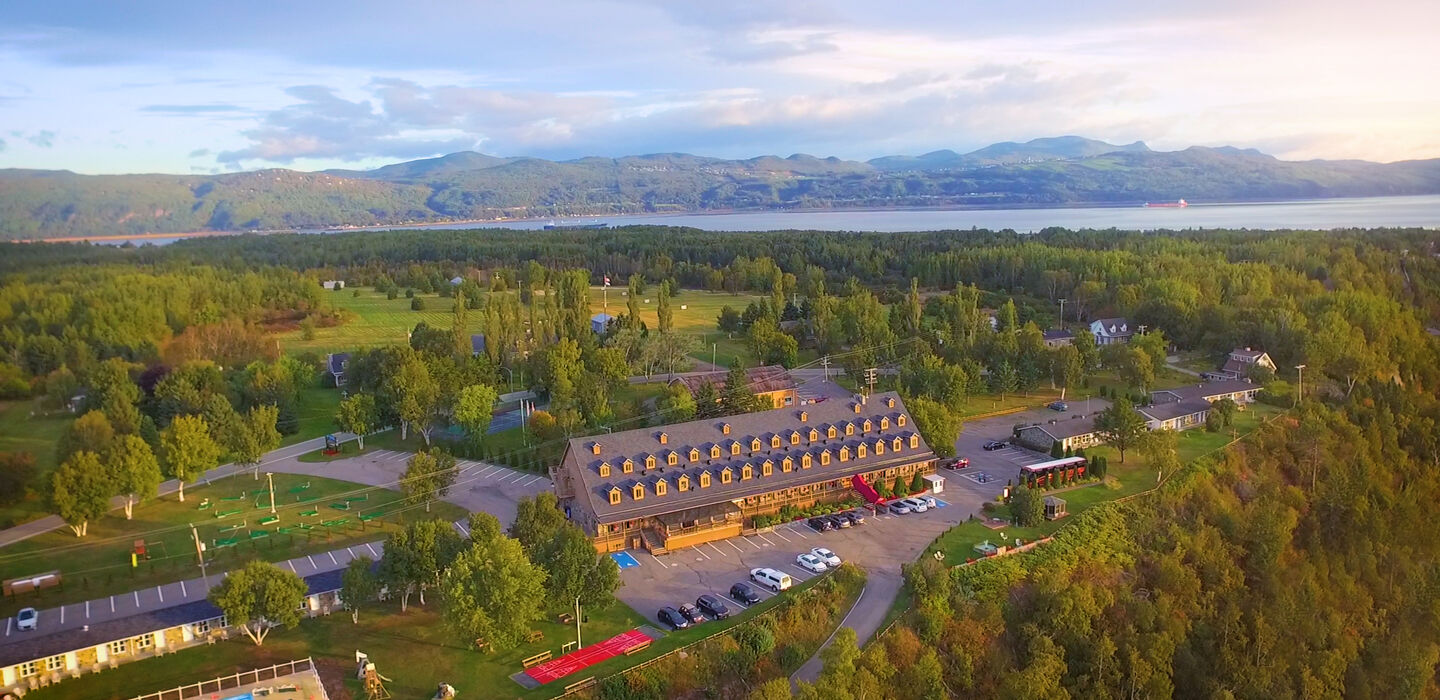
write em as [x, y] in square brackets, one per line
[577, 622]
[712, 354]
[199, 549]
[825, 367]
[1062, 312]
[870, 380]
[270, 477]
[1300, 388]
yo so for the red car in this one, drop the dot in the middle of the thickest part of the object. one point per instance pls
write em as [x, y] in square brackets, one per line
[957, 463]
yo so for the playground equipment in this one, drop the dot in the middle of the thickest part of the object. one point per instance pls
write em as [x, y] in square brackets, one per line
[374, 682]
[332, 445]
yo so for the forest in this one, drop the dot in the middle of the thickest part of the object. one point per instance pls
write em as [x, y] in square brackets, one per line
[1298, 563]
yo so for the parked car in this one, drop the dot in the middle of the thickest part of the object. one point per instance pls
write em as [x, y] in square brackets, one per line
[1058, 406]
[770, 578]
[854, 516]
[820, 524]
[810, 562]
[27, 618]
[743, 593]
[830, 558]
[916, 505]
[673, 618]
[957, 463]
[692, 613]
[899, 507]
[714, 606]
[995, 445]
[837, 522]
[929, 501]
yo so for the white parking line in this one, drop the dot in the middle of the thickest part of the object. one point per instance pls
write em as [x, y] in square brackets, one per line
[487, 470]
[507, 477]
[372, 550]
[312, 562]
[62, 615]
[776, 532]
[732, 544]
[332, 559]
[112, 604]
[183, 593]
[768, 543]
[533, 479]
[662, 564]
[137, 599]
[717, 549]
[806, 573]
[7, 626]
[702, 553]
[161, 593]
[292, 566]
[796, 531]
[87, 609]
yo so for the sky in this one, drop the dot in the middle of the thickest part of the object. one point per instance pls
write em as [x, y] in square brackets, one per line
[196, 87]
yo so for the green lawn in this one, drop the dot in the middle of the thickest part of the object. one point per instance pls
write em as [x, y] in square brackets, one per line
[316, 407]
[99, 564]
[38, 435]
[374, 320]
[413, 649]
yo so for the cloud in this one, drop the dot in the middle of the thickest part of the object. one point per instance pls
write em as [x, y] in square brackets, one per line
[761, 50]
[2, 145]
[42, 139]
[193, 110]
[199, 153]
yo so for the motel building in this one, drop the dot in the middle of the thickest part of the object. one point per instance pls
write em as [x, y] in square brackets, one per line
[685, 484]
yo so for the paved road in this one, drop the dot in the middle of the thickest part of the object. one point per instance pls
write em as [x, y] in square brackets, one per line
[53, 522]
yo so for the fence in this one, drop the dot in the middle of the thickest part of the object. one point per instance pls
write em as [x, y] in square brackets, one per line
[218, 685]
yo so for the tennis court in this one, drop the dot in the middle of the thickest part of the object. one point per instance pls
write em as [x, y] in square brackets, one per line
[593, 654]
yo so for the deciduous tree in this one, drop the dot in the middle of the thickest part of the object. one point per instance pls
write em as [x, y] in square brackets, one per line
[474, 409]
[80, 491]
[187, 450]
[1120, 426]
[260, 597]
[134, 470]
[358, 586]
[356, 414]
[492, 592]
[428, 477]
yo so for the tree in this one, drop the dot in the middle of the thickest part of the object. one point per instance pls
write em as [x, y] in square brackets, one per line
[574, 569]
[357, 415]
[729, 320]
[538, 519]
[416, 557]
[1160, 448]
[736, 396]
[459, 333]
[1067, 368]
[134, 470]
[1225, 408]
[16, 471]
[417, 396]
[1004, 379]
[91, 432]
[260, 597]
[358, 585]
[187, 451]
[1027, 506]
[635, 286]
[609, 364]
[428, 476]
[474, 409]
[80, 491]
[491, 592]
[665, 317]
[773, 689]
[900, 488]
[1120, 426]
[677, 405]
[939, 427]
[255, 435]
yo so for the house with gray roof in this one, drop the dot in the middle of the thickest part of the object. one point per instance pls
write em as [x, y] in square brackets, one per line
[1111, 330]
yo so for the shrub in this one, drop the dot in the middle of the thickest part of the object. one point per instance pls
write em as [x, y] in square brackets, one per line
[391, 294]
[417, 304]
[918, 483]
[900, 489]
[409, 294]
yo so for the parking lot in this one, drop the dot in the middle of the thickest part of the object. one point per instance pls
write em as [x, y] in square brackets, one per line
[1004, 464]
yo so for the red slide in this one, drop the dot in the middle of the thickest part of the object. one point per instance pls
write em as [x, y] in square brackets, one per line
[865, 490]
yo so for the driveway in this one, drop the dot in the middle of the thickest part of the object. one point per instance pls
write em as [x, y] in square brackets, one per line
[1005, 464]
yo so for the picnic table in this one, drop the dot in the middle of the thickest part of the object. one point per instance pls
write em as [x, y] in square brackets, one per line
[204, 505]
[259, 534]
[309, 513]
[223, 543]
[232, 528]
[241, 497]
[301, 487]
[227, 513]
[342, 505]
[270, 520]
[307, 499]
[367, 518]
[336, 522]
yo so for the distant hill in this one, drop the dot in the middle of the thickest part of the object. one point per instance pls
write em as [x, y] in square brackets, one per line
[471, 186]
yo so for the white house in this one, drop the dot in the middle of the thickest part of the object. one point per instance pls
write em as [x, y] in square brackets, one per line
[1111, 330]
[1240, 361]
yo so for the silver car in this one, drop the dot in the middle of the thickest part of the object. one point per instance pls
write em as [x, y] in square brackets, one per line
[916, 505]
[899, 507]
[27, 618]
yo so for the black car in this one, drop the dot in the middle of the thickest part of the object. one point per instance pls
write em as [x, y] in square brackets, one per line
[1058, 406]
[837, 521]
[672, 617]
[692, 614]
[714, 606]
[820, 524]
[744, 593]
[995, 445]
[854, 517]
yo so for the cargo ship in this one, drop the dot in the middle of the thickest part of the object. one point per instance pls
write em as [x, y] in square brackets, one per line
[1181, 204]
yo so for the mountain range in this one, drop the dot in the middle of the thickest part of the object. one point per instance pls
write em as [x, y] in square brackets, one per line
[41, 204]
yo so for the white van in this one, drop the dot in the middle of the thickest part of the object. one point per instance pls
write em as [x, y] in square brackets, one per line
[774, 580]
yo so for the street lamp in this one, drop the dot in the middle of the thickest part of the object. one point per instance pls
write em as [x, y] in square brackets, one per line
[1300, 388]
[270, 477]
[510, 373]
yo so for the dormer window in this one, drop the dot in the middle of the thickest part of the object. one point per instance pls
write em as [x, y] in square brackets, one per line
[604, 470]
[890, 402]
[824, 458]
[671, 458]
[628, 466]
[845, 454]
[594, 448]
[884, 423]
[694, 455]
[637, 492]
[849, 428]
[714, 452]
[856, 406]
[804, 416]
[805, 461]
[867, 426]
[787, 464]
[896, 445]
[774, 442]
[727, 475]
[914, 441]
[704, 480]
[747, 472]
[830, 433]
[860, 451]
[614, 495]
[767, 468]
[649, 461]
[724, 428]
[734, 449]
[754, 444]
[683, 483]
[814, 435]
[794, 437]
[661, 486]
[879, 447]
[664, 439]
[900, 420]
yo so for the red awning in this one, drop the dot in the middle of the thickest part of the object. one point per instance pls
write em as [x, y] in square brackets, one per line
[865, 490]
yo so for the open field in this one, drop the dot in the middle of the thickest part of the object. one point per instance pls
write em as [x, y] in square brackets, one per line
[1130, 478]
[37, 435]
[99, 564]
[316, 408]
[373, 321]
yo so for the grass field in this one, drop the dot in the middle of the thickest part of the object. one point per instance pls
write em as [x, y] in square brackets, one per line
[1132, 477]
[413, 649]
[316, 407]
[99, 564]
[38, 435]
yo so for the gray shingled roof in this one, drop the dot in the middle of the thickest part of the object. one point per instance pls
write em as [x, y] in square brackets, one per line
[582, 464]
[1203, 391]
[1175, 409]
[1068, 428]
[758, 380]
